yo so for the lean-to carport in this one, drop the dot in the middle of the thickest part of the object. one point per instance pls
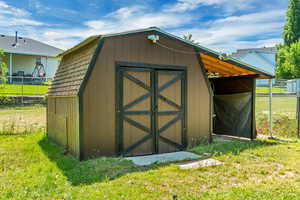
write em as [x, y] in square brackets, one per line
[233, 85]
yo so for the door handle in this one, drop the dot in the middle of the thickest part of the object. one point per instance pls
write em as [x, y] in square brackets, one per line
[155, 108]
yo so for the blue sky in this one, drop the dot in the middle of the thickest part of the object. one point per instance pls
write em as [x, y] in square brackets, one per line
[223, 25]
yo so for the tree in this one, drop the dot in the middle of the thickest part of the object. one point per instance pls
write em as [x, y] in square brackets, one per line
[188, 37]
[3, 68]
[291, 31]
[288, 55]
[288, 61]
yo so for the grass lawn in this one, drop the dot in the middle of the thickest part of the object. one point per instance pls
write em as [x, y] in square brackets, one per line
[22, 119]
[280, 105]
[35, 90]
[266, 90]
[284, 116]
[31, 167]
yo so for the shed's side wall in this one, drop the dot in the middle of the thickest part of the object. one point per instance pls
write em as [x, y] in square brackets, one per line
[99, 133]
[63, 122]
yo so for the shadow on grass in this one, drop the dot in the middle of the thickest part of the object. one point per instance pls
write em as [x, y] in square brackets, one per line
[105, 169]
[90, 171]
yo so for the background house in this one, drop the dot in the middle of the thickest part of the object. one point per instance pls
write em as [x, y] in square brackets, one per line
[23, 54]
[264, 58]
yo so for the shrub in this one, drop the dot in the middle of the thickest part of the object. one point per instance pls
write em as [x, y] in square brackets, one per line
[6, 101]
[45, 100]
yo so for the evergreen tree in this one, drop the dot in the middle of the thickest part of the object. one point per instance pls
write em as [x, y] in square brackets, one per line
[291, 31]
[288, 55]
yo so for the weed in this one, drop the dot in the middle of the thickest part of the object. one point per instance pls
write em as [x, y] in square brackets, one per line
[283, 126]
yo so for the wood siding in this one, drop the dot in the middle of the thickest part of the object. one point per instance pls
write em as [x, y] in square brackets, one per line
[232, 85]
[63, 122]
[99, 121]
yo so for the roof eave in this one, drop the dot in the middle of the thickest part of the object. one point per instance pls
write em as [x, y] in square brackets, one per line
[81, 44]
[30, 54]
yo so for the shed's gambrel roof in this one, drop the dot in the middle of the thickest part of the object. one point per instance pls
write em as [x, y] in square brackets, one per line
[72, 70]
[78, 61]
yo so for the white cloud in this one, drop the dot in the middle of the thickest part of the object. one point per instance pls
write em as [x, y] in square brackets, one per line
[126, 18]
[40, 8]
[234, 32]
[223, 34]
[6, 9]
[15, 22]
[226, 5]
[137, 17]
[13, 17]
[126, 12]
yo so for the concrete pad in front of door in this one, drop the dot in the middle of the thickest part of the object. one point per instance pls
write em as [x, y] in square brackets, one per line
[200, 163]
[162, 158]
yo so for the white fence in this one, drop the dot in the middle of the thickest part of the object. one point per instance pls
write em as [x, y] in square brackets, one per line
[28, 80]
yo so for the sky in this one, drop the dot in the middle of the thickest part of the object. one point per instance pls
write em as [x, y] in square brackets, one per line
[222, 25]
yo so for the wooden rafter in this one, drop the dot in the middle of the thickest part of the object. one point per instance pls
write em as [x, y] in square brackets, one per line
[224, 69]
[216, 68]
[222, 66]
[222, 63]
[211, 69]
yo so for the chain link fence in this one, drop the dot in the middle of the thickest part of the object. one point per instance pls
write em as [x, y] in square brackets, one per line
[22, 89]
[15, 118]
[284, 109]
[33, 90]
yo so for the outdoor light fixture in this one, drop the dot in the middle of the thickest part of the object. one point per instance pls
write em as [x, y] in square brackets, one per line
[153, 38]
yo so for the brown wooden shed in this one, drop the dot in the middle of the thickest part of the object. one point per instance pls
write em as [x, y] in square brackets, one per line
[145, 92]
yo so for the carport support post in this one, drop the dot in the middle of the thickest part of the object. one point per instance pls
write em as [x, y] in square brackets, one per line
[270, 108]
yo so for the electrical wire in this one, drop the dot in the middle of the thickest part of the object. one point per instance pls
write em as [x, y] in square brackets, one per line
[176, 50]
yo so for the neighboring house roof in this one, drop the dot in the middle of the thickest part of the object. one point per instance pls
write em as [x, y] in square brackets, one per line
[27, 46]
[242, 52]
[264, 58]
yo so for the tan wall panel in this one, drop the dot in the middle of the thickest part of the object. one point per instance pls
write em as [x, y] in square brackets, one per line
[99, 95]
[63, 122]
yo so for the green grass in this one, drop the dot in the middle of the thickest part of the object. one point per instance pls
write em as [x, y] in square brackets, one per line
[35, 90]
[31, 167]
[266, 90]
[284, 116]
[22, 119]
[280, 105]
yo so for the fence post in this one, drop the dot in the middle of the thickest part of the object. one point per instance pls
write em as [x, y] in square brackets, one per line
[22, 90]
[298, 107]
[270, 108]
